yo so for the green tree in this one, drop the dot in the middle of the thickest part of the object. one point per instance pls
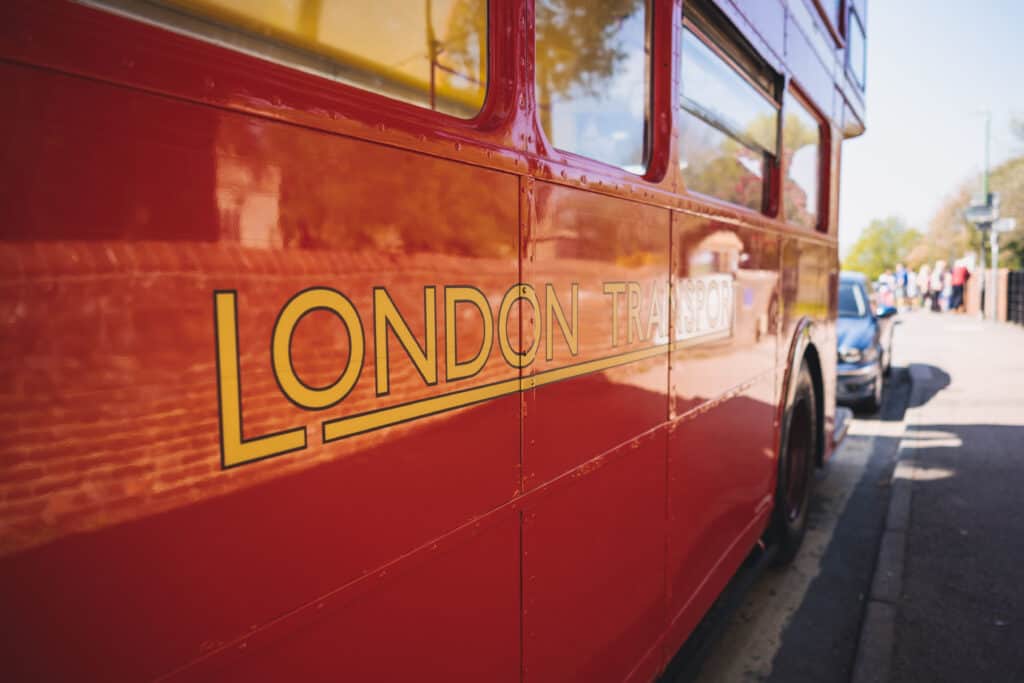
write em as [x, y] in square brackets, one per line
[883, 244]
[950, 236]
[1008, 180]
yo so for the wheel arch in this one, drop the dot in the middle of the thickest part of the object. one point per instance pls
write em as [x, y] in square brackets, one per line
[814, 365]
[803, 350]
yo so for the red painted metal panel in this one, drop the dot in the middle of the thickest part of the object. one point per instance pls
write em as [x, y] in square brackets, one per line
[683, 622]
[593, 567]
[597, 242]
[713, 364]
[808, 294]
[721, 467]
[453, 617]
[722, 444]
[145, 172]
[113, 417]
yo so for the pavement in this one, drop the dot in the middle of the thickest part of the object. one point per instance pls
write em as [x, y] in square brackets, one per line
[948, 591]
[913, 565]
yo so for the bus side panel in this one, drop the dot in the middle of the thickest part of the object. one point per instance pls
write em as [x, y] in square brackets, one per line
[124, 213]
[809, 282]
[445, 619]
[616, 251]
[593, 568]
[722, 447]
[594, 447]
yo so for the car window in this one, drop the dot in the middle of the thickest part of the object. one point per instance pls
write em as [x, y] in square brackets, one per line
[852, 301]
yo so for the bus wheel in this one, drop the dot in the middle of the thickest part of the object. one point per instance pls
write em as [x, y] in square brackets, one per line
[796, 468]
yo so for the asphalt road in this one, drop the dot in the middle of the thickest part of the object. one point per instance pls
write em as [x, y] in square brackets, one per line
[960, 613]
[802, 623]
[949, 602]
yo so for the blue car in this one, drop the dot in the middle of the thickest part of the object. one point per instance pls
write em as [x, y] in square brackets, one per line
[864, 344]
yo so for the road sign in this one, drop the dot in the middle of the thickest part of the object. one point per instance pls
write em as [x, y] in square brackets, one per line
[1004, 225]
[983, 209]
[992, 199]
[981, 213]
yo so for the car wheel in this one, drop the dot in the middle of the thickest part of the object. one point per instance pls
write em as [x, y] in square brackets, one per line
[797, 456]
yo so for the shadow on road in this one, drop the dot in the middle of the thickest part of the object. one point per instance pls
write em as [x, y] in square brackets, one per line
[819, 644]
[898, 381]
[817, 634]
[938, 380]
[962, 585]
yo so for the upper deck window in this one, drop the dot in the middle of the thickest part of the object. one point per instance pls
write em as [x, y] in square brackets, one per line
[801, 163]
[856, 55]
[432, 54]
[729, 126]
[593, 78]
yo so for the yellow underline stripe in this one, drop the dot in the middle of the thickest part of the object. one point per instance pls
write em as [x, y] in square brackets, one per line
[586, 367]
[343, 427]
[357, 424]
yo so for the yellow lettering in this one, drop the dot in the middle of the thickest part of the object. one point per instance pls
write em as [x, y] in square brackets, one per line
[615, 288]
[454, 368]
[234, 449]
[633, 301]
[656, 322]
[553, 311]
[517, 359]
[300, 393]
[424, 358]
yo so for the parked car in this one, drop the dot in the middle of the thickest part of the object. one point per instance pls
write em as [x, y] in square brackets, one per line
[864, 344]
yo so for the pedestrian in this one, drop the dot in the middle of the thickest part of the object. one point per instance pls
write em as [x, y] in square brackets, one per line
[913, 291]
[947, 290]
[935, 285]
[901, 278]
[959, 280]
[924, 279]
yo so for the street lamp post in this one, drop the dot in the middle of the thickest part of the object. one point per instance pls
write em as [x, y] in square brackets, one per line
[985, 214]
[993, 238]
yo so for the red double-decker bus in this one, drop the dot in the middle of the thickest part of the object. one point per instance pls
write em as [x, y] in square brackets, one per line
[453, 339]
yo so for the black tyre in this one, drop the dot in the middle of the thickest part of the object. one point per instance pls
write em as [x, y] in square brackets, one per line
[797, 458]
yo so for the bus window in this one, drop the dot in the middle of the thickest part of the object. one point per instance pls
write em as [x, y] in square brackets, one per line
[856, 53]
[834, 14]
[801, 163]
[432, 54]
[592, 78]
[729, 127]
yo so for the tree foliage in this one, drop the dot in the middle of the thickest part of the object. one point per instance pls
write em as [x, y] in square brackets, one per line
[1008, 180]
[950, 236]
[883, 244]
[463, 54]
[575, 43]
[577, 48]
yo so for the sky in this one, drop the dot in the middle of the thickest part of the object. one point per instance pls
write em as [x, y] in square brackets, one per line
[934, 68]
